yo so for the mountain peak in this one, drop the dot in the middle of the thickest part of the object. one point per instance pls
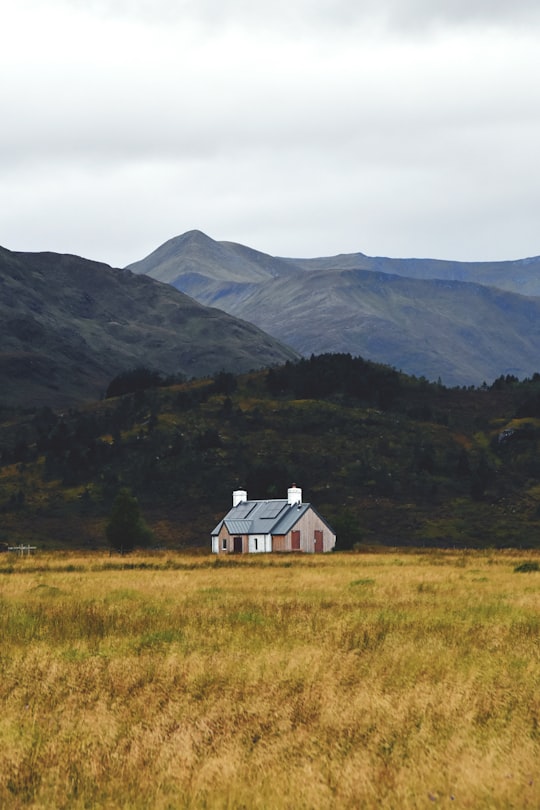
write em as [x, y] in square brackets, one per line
[195, 253]
[194, 235]
[186, 241]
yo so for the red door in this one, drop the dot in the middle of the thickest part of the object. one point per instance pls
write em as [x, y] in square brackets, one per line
[295, 540]
[319, 545]
[237, 545]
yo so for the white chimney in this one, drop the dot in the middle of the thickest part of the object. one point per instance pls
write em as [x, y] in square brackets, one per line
[239, 496]
[294, 495]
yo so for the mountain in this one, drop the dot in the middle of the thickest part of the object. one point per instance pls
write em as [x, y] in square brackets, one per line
[203, 257]
[429, 318]
[519, 276]
[69, 325]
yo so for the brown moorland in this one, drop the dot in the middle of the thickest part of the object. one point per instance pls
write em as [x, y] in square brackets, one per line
[349, 681]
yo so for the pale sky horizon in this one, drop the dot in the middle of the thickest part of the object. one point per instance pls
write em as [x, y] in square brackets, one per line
[300, 128]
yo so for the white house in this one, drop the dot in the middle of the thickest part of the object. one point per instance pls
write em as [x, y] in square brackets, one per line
[285, 524]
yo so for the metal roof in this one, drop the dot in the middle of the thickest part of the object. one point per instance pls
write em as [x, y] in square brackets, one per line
[262, 517]
[238, 526]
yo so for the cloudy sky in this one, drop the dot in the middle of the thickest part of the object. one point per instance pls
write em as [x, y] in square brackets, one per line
[298, 127]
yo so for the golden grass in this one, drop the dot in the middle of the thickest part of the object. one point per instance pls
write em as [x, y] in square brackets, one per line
[347, 681]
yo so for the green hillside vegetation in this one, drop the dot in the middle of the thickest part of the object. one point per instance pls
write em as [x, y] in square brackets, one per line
[385, 458]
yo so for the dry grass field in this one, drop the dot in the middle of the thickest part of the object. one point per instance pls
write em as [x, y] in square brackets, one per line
[392, 680]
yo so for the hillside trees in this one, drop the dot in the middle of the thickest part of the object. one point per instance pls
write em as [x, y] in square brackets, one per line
[138, 379]
[74, 448]
[332, 374]
[435, 459]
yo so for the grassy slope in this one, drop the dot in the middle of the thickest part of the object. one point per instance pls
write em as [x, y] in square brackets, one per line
[373, 681]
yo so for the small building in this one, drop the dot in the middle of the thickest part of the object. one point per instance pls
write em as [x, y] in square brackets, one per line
[285, 524]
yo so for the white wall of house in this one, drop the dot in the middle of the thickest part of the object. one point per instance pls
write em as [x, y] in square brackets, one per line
[259, 543]
[215, 545]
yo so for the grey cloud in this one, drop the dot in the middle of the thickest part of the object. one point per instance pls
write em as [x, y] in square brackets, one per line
[307, 14]
[412, 13]
[296, 144]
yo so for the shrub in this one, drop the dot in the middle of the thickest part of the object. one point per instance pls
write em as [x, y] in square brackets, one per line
[527, 567]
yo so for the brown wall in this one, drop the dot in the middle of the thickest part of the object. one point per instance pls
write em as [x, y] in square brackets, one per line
[224, 534]
[307, 525]
[279, 543]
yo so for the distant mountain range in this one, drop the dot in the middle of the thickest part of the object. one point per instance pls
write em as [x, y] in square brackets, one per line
[465, 323]
[69, 325]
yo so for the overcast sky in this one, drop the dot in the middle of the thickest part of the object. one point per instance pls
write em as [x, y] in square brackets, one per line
[298, 127]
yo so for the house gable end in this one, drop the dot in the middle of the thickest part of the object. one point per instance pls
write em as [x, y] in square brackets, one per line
[320, 517]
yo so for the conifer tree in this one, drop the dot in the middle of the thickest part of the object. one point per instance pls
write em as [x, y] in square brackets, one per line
[126, 528]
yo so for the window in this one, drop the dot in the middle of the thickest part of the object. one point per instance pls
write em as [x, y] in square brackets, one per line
[255, 546]
[224, 545]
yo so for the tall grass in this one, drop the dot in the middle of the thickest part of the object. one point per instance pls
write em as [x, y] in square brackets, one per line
[347, 681]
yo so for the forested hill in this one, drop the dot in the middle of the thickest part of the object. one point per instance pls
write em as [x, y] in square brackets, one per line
[386, 458]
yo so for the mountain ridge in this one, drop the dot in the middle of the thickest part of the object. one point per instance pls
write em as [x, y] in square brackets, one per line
[506, 274]
[438, 327]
